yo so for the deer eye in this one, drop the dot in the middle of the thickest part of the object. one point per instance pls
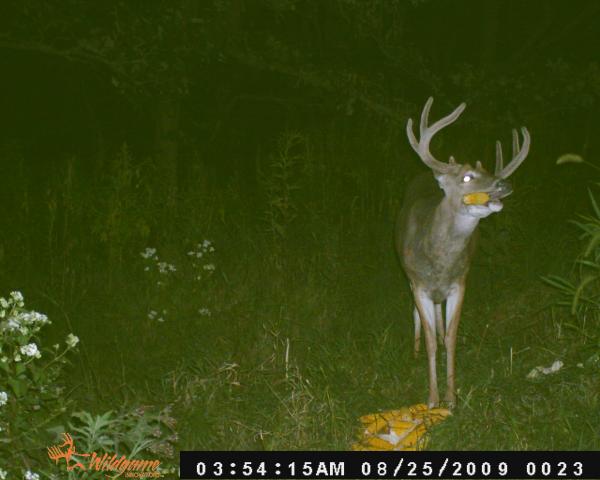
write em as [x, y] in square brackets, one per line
[467, 178]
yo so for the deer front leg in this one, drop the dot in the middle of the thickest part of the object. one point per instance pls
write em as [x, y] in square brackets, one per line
[453, 308]
[417, 320]
[426, 310]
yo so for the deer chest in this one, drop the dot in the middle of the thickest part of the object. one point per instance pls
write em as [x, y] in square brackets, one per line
[437, 271]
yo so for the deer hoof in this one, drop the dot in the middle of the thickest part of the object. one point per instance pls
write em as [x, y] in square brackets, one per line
[433, 402]
[450, 401]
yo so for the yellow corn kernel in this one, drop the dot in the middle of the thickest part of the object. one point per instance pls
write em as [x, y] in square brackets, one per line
[419, 407]
[477, 198]
[378, 443]
[400, 414]
[378, 425]
[400, 426]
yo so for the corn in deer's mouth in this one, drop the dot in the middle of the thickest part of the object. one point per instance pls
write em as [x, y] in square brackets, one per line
[484, 198]
[476, 198]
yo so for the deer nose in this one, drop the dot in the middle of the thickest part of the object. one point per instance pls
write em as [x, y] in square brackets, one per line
[503, 186]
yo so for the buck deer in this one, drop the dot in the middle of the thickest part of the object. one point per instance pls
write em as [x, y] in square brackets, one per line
[435, 236]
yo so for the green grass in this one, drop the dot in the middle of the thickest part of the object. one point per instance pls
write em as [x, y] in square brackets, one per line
[311, 321]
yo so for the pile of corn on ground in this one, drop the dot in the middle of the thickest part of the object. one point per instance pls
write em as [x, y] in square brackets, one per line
[404, 429]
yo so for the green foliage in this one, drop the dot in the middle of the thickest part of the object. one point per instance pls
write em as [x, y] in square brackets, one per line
[32, 392]
[141, 433]
[583, 295]
[118, 220]
[145, 48]
[281, 182]
[35, 401]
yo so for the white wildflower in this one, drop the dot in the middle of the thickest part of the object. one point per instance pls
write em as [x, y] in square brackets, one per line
[199, 254]
[17, 357]
[3, 474]
[4, 359]
[206, 243]
[162, 267]
[30, 350]
[146, 269]
[17, 297]
[209, 267]
[29, 475]
[3, 398]
[191, 253]
[152, 314]
[4, 303]
[34, 318]
[72, 340]
[13, 323]
[160, 319]
[148, 253]
[205, 312]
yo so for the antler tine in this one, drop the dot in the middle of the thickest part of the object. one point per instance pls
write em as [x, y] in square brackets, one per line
[425, 116]
[499, 161]
[515, 144]
[421, 146]
[519, 153]
[447, 120]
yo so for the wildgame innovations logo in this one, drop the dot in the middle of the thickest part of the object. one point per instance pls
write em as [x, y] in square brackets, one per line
[112, 465]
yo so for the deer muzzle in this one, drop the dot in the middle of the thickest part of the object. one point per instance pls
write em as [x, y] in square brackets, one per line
[502, 188]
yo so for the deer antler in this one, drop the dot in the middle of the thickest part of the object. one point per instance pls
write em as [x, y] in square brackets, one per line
[426, 133]
[518, 154]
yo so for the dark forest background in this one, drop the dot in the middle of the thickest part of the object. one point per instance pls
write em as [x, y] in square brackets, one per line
[260, 148]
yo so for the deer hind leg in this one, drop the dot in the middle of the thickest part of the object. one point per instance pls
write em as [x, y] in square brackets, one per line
[453, 309]
[426, 310]
[417, 320]
[439, 323]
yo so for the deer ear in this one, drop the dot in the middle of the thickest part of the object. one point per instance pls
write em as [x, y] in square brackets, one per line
[452, 161]
[478, 165]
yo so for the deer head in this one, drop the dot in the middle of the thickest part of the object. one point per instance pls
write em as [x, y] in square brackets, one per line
[472, 191]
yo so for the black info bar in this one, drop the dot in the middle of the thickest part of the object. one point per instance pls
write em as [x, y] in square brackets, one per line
[357, 465]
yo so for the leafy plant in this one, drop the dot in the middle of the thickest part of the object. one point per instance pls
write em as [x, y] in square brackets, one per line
[583, 294]
[142, 432]
[281, 182]
[31, 393]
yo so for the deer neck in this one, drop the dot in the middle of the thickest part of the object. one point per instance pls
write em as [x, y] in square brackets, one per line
[451, 229]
